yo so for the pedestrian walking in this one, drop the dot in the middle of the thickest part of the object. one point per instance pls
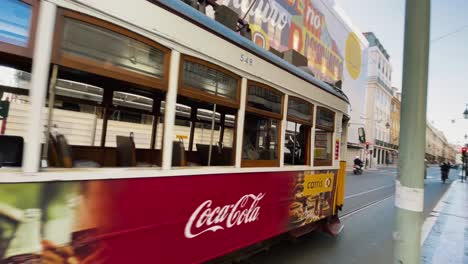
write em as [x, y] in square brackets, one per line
[444, 169]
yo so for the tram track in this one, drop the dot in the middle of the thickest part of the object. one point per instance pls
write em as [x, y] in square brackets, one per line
[360, 201]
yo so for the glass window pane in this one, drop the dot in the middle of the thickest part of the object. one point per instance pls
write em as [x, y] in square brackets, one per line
[325, 118]
[209, 80]
[15, 22]
[296, 144]
[323, 146]
[299, 109]
[132, 101]
[79, 90]
[129, 124]
[264, 99]
[107, 47]
[260, 138]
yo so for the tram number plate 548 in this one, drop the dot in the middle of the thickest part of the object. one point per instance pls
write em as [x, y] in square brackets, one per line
[245, 59]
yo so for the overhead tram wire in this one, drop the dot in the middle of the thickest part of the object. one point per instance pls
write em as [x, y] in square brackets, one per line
[449, 34]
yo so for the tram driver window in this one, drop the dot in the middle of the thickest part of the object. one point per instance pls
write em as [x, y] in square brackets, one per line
[298, 127]
[323, 150]
[262, 126]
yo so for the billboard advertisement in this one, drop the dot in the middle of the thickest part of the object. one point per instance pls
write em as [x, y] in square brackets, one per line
[184, 219]
[319, 30]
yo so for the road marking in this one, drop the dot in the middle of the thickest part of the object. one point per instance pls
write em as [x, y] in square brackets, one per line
[365, 207]
[373, 190]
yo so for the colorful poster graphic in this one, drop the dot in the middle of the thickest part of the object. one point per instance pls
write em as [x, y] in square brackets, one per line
[152, 220]
[313, 198]
[301, 25]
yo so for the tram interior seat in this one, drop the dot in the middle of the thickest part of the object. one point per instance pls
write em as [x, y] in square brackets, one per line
[126, 153]
[179, 155]
[60, 154]
[219, 156]
[11, 151]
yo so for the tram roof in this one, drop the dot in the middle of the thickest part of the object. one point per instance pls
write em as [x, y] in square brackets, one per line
[218, 28]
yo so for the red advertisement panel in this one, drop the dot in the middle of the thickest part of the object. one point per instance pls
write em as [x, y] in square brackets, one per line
[185, 219]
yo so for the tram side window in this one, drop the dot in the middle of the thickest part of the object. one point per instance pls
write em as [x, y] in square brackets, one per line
[262, 126]
[108, 95]
[130, 116]
[110, 126]
[298, 127]
[205, 116]
[16, 22]
[325, 124]
[14, 107]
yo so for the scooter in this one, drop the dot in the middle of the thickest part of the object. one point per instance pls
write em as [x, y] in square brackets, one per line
[357, 170]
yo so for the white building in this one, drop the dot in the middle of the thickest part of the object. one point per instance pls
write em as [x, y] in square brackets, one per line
[378, 104]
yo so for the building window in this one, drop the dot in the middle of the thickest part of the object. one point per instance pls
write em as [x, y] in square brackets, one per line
[262, 126]
[324, 127]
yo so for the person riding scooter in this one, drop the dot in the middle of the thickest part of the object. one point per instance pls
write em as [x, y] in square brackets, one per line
[357, 168]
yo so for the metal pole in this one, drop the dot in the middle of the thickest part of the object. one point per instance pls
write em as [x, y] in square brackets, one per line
[210, 148]
[53, 81]
[170, 110]
[409, 197]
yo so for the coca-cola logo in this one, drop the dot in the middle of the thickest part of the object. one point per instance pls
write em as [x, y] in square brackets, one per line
[207, 218]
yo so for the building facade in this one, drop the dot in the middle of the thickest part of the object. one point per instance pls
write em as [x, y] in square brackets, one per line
[379, 97]
[395, 123]
[438, 149]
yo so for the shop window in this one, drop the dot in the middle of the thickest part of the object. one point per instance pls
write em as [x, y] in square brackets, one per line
[262, 126]
[323, 150]
[298, 127]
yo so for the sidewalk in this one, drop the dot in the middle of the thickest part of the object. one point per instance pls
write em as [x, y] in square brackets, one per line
[447, 241]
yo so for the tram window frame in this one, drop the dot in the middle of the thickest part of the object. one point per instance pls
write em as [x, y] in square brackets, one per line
[192, 92]
[85, 64]
[28, 50]
[328, 130]
[194, 95]
[249, 110]
[309, 124]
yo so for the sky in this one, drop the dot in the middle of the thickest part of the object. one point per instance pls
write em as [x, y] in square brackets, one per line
[448, 56]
